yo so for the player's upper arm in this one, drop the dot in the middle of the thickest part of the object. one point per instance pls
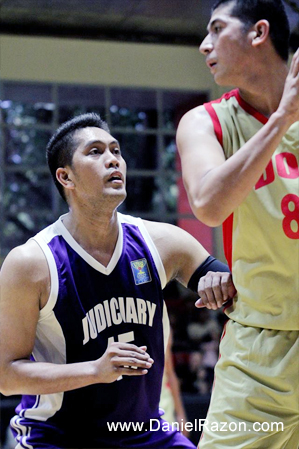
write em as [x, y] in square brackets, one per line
[24, 289]
[200, 153]
[180, 252]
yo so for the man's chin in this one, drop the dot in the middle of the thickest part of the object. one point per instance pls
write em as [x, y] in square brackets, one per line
[118, 195]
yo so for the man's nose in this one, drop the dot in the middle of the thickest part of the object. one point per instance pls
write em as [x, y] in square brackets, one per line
[112, 160]
[206, 46]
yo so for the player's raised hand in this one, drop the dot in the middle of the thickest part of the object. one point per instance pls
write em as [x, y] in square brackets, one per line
[214, 289]
[289, 104]
[122, 359]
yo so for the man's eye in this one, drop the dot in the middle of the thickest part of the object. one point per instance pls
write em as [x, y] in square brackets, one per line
[94, 151]
[117, 150]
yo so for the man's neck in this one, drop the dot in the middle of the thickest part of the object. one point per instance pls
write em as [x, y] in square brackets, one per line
[96, 235]
[264, 91]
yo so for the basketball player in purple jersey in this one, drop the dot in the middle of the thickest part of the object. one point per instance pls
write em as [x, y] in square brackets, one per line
[83, 324]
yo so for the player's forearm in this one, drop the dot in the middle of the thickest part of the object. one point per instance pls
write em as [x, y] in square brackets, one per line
[222, 189]
[27, 377]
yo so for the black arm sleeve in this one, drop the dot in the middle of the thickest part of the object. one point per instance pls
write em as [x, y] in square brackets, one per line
[210, 264]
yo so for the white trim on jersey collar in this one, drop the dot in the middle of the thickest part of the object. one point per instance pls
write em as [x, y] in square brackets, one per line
[62, 230]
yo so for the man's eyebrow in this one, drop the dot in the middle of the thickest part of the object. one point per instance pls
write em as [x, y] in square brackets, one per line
[211, 24]
[97, 141]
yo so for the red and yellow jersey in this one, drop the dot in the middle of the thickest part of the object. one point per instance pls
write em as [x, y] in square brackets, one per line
[261, 237]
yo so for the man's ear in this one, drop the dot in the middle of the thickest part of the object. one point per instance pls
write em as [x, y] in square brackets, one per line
[260, 32]
[63, 176]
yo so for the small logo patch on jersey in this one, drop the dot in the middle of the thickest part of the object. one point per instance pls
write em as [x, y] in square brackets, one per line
[141, 271]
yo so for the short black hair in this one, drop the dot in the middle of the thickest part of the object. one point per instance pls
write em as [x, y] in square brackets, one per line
[251, 11]
[61, 146]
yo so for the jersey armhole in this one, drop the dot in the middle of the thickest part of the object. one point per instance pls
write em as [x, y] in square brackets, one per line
[54, 288]
[166, 326]
[215, 120]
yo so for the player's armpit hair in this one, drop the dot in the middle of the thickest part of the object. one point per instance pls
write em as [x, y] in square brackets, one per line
[210, 264]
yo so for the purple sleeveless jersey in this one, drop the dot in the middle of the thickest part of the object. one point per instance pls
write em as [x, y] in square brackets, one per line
[89, 307]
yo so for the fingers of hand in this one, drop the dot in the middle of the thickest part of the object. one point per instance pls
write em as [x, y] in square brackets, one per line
[293, 76]
[199, 303]
[131, 367]
[131, 371]
[214, 290]
[294, 67]
[206, 291]
[130, 361]
[115, 346]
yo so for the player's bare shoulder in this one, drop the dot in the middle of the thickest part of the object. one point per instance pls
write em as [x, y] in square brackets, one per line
[195, 119]
[25, 268]
[162, 233]
[180, 252]
[172, 241]
[27, 258]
